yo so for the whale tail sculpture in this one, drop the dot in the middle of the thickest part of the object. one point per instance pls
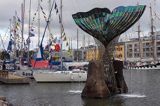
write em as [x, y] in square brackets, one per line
[105, 25]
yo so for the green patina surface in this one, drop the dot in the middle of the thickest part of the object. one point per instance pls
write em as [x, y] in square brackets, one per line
[105, 25]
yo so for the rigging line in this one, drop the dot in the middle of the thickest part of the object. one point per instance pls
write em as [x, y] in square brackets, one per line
[33, 19]
[46, 27]
[47, 22]
[45, 18]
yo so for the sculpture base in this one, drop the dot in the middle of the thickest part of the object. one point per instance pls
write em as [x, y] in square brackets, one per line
[96, 86]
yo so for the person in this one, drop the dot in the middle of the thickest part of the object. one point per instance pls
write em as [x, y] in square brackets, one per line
[3, 66]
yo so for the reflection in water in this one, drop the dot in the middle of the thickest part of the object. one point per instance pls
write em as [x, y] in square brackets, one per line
[113, 101]
[132, 95]
[140, 83]
[75, 91]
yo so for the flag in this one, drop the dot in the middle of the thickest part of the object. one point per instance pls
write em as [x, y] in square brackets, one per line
[45, 17]
[56, 11]
[43, 13]
[41, 7]
[64, 39]
[47, 47]
[55, 7]
[59, 41]
[17, 24]
[67, 44]
[28, 40]
[63, 34]
[18, 19]
[59, 19]
[55, 40]
[69, 52]
[31, 33]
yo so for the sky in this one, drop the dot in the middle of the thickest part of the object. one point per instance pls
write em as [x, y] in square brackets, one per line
[8, 8]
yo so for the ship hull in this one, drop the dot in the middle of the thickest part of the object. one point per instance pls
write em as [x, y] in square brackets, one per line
[60, 76]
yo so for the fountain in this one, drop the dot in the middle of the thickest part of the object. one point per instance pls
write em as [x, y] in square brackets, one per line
[105, 77]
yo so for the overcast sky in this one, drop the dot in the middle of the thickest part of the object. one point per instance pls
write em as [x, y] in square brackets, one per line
[8, 8]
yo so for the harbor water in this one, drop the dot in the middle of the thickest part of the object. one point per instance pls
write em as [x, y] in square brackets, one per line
[144, 90]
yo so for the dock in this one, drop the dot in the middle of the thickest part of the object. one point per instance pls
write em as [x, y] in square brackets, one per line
[9, 78]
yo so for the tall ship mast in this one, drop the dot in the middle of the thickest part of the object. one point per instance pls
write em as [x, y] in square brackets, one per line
[29, 28]
[22, 24]
[61, 29]
[140, 41]
[39, 23]
[153, 35]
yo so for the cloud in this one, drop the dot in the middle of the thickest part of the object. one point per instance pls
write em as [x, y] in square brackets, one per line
[8, 8]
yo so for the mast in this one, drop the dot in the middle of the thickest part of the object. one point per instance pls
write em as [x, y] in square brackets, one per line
[140, 43]
[84, 44]
[77, 46]
[139, 38]
[153, 35]
[22, 19]
[14, 34]
[10, 20]
[61, 29]
[29, 27]
[39, 22]
[71, 43]
[49, 34]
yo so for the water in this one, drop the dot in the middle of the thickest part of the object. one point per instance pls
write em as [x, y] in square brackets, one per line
[144, 90]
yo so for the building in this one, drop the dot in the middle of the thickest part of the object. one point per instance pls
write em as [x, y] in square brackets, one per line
[146, 49]
[92, 53]
[78, 55]
[119, 52]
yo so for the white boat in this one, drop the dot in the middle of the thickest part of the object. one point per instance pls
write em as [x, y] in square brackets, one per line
[60, 76]
[75, 72]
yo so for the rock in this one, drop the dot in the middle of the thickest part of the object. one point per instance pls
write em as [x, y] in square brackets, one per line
[121, 84]
[2, 98]
[95, 85]
[3, 102]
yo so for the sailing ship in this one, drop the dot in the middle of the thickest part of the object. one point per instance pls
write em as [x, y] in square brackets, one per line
[62, 71]
[153, 65]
